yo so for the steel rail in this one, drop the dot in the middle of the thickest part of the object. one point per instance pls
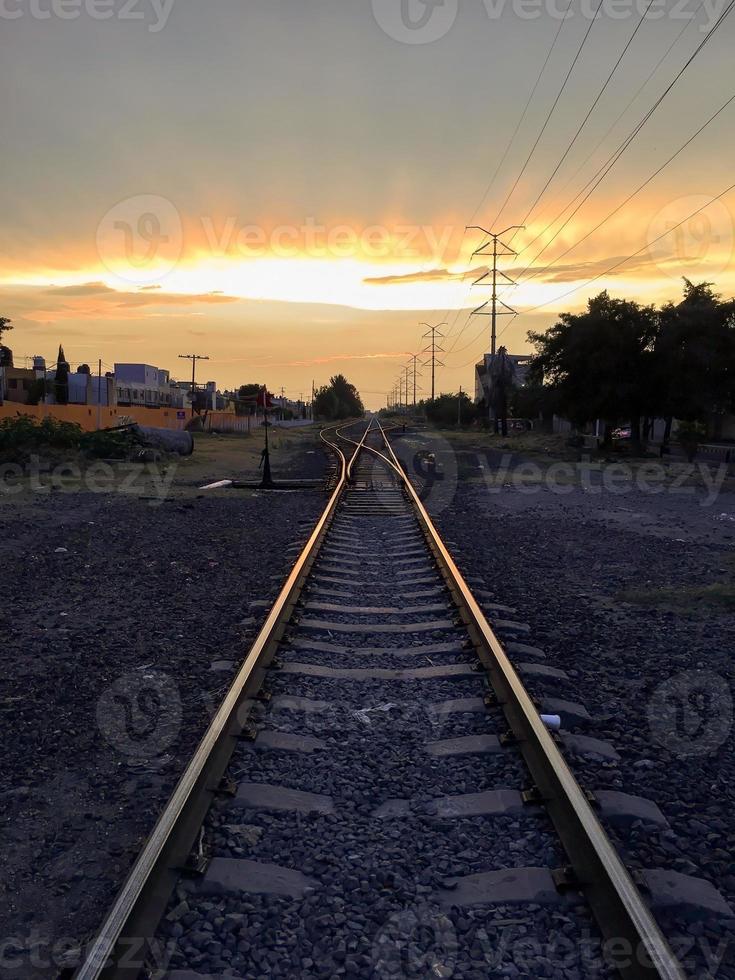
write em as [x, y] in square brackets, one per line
[120, 948]
[617, 905]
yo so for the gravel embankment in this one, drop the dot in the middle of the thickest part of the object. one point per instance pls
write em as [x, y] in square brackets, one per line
[380, 843]
[657, 676]
[108, 682]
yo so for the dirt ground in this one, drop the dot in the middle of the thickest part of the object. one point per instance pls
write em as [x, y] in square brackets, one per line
[124, 604]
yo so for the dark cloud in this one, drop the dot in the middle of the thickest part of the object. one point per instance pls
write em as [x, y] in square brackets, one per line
[574, 271]
[430, 275]
[82, 289]
[94, 299]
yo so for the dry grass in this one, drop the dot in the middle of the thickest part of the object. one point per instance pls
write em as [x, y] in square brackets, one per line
[717, 597]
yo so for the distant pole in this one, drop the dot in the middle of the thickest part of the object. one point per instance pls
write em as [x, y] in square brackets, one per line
[99, 394]
[267, 480]
[434, 349]
[414, 358]
[459, 407]
[193, 358]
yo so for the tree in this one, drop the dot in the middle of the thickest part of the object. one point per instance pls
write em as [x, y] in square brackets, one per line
[5, 326]
[247, 398]
[84, 369]
[695, 356]
[338, 400]
[61, 383]
[600, 363]
[446, 410]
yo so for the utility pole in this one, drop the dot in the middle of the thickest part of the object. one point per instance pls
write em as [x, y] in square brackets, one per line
[99, 394]
[414, 358]
[406, 372]
[459, 408]
[494, 313]
[433, 349]
[193, 358]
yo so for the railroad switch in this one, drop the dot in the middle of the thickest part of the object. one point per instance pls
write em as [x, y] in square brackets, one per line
[565, 879]
[533, 796]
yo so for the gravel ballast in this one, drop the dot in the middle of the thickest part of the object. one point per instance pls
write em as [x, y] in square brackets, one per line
[611, 584]
[117, 608]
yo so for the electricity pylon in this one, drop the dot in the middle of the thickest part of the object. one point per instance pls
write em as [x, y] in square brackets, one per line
[494, 312]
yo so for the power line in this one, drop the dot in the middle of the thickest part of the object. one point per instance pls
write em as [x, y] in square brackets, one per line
[524, 113]
[633, 255]
[550, 113]
[639, 188]
[591, 109]
[612, 126]
[613, 159]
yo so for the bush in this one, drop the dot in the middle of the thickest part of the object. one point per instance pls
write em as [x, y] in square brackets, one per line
[689, 435]
[22, 436]
[25, 434]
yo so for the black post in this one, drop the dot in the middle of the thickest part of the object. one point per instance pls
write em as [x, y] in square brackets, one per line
[267, 481]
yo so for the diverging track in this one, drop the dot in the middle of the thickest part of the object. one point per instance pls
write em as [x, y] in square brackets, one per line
[392, 803]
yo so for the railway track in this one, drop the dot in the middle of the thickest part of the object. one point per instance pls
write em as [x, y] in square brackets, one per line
[378, 795]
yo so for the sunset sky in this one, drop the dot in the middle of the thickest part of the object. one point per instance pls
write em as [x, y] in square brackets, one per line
[284, 185]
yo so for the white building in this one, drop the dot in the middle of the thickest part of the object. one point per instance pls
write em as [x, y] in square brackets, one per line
[147, 386]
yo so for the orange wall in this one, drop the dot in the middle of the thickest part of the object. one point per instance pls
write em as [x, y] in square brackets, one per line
[86, 416]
